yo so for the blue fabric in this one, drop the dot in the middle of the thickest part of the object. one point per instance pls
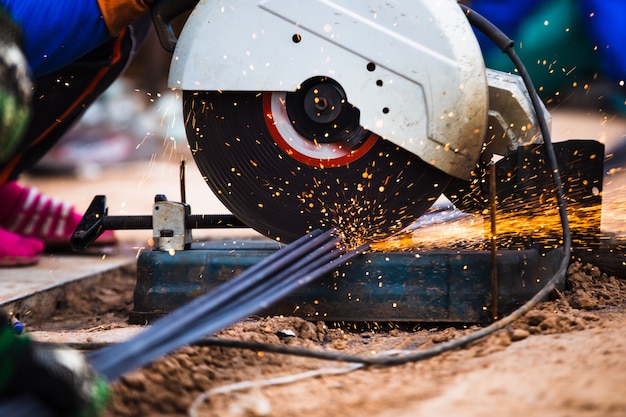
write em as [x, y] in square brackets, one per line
[606, 21]
[603, 21]
[57, 32]
[507, 15]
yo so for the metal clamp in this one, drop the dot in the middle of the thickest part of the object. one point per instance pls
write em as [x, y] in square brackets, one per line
[169, 231]
[171, 223]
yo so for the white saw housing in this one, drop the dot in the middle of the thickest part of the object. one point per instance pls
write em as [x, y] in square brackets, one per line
[413, 68]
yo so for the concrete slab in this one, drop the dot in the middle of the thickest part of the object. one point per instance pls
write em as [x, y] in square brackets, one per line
[36, 290]
[54, 271]
[95, 336]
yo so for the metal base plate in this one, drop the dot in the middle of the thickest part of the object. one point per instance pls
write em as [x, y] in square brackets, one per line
[451, 286]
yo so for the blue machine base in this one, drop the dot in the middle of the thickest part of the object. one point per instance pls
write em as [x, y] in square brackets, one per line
[451, 286]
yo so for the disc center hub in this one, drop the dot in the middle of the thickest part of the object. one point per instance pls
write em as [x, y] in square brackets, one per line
[323, 102]
[319, 111]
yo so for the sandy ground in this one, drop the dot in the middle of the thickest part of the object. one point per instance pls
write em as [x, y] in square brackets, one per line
[566, 357]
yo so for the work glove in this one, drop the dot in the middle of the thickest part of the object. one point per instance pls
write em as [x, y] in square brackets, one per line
[118, 14]
[58, 376]
[15, 86]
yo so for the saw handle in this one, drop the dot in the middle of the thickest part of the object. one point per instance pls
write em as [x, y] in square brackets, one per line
[163, 12]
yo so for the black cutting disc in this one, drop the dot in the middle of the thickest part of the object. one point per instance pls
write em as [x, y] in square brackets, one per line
[284, 184]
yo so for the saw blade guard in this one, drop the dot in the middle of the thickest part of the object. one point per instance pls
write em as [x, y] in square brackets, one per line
[413, 70]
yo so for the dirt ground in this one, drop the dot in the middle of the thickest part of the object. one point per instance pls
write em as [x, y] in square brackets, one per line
[566, 357]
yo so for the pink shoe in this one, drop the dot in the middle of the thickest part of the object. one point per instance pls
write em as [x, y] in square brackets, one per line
[16, 250]
[29, 213]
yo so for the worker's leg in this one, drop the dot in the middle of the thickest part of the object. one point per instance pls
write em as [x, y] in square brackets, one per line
[59, 100]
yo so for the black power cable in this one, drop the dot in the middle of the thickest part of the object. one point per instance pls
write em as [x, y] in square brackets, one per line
[506, 45]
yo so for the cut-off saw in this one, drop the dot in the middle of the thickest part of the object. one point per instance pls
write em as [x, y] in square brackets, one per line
[359, 115]
[313, 114]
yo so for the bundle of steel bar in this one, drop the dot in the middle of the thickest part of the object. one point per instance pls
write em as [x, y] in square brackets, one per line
[276, 276]
[299, 263]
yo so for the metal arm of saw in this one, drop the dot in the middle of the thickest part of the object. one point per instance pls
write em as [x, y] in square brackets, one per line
[163, 12]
